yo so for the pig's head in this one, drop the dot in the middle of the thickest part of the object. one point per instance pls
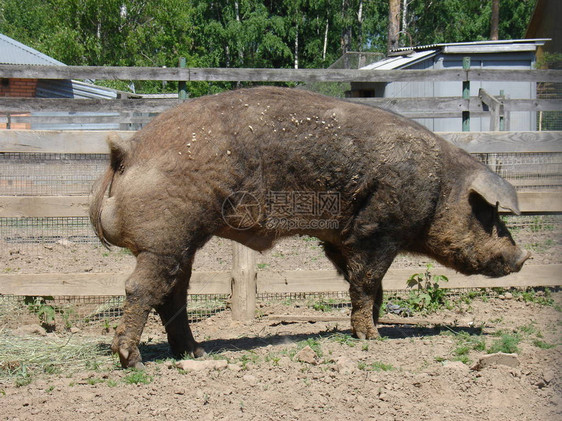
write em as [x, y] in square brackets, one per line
[467, 233]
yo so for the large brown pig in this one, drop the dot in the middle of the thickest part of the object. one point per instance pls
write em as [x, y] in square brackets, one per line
[255, 165]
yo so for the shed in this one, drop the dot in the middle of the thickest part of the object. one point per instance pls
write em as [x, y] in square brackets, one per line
[14, 52]
[503, 54]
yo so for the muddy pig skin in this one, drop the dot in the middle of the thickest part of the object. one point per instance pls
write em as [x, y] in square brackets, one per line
[254, 165]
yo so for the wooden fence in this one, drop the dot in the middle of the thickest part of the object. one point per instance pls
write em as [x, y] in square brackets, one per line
[244, 281]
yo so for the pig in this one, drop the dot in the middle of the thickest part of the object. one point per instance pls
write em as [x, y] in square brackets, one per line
[230, 164]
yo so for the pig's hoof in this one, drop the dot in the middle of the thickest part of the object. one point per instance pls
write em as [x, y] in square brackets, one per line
[138, 366]
[366, 334]
[199, 352]
[363, 327]
[364, 331]
[129, 358]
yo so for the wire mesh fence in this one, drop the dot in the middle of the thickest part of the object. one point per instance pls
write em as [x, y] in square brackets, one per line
[549, 120]
[68, 244]
[34, 174]
[72, 311]
[49, 174]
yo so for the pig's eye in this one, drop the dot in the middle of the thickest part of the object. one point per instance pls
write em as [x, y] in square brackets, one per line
[483, 212]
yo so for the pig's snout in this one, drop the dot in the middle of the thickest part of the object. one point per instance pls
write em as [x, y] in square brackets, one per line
[523, 256]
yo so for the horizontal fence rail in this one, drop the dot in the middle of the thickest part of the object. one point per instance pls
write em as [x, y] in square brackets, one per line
[545, 198]
[438, 106]
[273, 75]
[94, 141]
[77, 206]
[299, 281]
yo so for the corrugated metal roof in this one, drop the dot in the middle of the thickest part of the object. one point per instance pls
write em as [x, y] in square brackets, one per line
[412, 55]
[72, 89]
[400, 61]
[498, 43]
[14, 52]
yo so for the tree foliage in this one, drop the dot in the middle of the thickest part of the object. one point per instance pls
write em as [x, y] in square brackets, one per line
[241, 33]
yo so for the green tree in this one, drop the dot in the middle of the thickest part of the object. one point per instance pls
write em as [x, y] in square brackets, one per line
[464, 20]
[240, 33]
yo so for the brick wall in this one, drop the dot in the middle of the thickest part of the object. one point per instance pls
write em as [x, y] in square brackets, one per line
[17, 88]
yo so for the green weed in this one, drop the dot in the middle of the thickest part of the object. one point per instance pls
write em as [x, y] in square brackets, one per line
[22, 376]
[374, 366]
[312, 343]
[250, 357]
[137, 377]
[466, 343]
[427, 295]
[45, 312]
[542, 345]
[506, 343]
[344, 339]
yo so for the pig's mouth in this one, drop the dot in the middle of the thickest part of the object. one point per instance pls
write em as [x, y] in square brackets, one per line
[524, 256]
[503, 266]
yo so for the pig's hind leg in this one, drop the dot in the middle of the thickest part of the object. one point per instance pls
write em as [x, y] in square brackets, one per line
[158, 282]
[173, 312]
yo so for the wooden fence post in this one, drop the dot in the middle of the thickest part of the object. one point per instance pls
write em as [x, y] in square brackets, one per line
[466, 94]
[244, 285]
[182, 85]
[496, 110]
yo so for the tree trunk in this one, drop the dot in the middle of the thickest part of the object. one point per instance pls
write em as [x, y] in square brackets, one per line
[393, 24]
[297, 46]
[325, 40]
[360, 26]
[346, 31]
[495, 21]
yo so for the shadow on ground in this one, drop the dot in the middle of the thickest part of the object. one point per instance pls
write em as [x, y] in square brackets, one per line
[160, 350]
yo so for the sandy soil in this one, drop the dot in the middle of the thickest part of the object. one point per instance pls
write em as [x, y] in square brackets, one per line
[412, 374]
[415, 373]
[291, 253]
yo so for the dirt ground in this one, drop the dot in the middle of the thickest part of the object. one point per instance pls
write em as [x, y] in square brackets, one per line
[277, 370]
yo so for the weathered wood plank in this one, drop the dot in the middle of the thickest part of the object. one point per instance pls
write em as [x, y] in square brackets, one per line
[395, 279]
[75, 119]
[244, 279]
[142, 105]
[505, 142]
[43, 206]
[529, 276]
[435, 107]
[57, 141]
[322, 75]
[539, 202]
[501, 75]
[93, 141]
[69, 206]
[96, 284]
[272, 75]
[300, 281]
[229, 74]
[532, 105]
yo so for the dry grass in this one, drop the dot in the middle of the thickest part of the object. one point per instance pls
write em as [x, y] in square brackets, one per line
[25, 356]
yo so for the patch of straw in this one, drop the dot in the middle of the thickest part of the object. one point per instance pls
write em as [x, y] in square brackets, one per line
[37, 354]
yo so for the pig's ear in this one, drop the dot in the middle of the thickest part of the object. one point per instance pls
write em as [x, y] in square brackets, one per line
[119, 148]
[496, 191]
